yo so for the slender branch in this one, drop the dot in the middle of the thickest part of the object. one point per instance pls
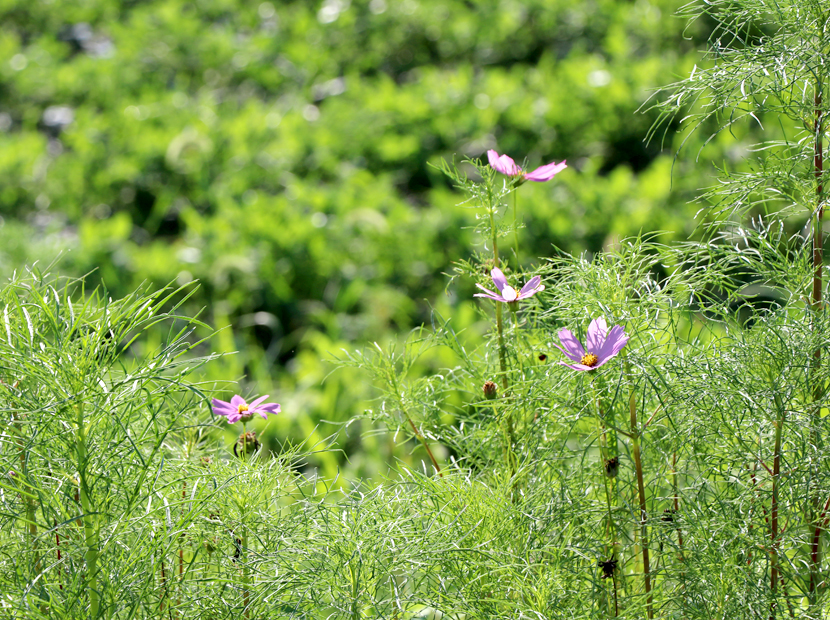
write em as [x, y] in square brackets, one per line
[425, 444]
[776, 469]
[816, 304]
[641, 492]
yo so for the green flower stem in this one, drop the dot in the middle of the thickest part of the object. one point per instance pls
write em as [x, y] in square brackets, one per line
[163, 584]
[90, 533]
[516, 226]
[246, 573]
[776, 472]
[26, 490]
[611, 546]
[676, 487]
[502, 347]
[499, 319]
[641, 491]
[244, 439]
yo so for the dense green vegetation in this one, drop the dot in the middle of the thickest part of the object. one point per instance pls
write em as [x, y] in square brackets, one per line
[625, 428]
[281, 154]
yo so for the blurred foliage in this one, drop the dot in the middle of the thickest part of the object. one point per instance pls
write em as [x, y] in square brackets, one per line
[282, 153]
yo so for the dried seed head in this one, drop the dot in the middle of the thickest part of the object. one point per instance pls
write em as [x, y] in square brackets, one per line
[490, 390]
[612, 466]
[542, 357]
[608, 567]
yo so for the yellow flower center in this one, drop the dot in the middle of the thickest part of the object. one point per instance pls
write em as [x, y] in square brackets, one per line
[241, 408]
[589, 359]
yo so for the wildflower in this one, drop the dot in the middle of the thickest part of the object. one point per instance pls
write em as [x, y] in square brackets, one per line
[238, 409]
[506, 292]
[506, 165]
[602, 345]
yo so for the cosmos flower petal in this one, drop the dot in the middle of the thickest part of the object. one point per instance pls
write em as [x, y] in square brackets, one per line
[614, 342]
[503, 163]
[253, 406]
[493, 297]
[533, 286]
[577, 366]
[489, 293]
[270, 408]
[220, 407]
[597, 331]
[498, 278]
[546, 172]
[573, 348]
[602, 343]
[237, 400]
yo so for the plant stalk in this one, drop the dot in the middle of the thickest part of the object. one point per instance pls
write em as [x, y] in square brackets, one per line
[641, 492]
[776, 471]
[816, 305]
[90, 533]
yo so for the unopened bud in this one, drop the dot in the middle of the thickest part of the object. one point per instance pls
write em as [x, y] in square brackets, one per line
[246, 444]
[490, 390]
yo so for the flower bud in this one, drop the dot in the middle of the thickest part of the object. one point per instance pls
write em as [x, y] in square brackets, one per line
[490, 390]
[247, 444]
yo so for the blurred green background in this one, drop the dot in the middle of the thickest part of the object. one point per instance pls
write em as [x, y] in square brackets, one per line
[280, 153]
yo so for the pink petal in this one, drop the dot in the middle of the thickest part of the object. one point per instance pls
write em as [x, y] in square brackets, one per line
[597, 331]
[503, 164]
[493, 297]
[237, 400]
[546, 172]
[578, 366]
[498, 278]
[273, 408]
[489, 294]
[531, 288]
[253, 406]
[614, 343]
[573, 348]
[220, 407]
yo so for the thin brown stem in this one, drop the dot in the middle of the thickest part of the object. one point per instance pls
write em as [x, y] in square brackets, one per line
[426, 446]
[816, 304]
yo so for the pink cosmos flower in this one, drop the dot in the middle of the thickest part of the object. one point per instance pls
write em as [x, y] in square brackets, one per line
[602, 345]
[506, 165]
[238, 409]
[506, 292]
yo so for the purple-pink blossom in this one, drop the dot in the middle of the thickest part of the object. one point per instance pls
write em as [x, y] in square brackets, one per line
[506, 165]
[506, 292]
[238, 409]
[600, 346]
